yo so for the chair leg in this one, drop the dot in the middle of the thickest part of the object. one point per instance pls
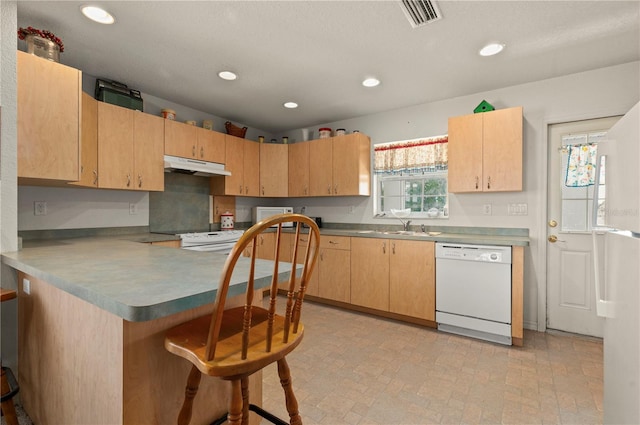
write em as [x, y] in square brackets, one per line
[193, 382]
[235, 404]
[245, 400]
[290, 399]
[8, 409]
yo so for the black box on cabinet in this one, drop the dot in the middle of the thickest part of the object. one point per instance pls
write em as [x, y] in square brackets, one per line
[118, 94]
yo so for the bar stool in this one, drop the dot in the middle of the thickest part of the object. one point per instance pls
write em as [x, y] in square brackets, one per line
[9, 385]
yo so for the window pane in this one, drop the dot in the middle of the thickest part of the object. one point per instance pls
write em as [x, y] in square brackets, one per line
[574, 215]
[435, 186]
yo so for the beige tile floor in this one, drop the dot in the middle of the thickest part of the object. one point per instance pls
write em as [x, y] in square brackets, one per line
[353, 368]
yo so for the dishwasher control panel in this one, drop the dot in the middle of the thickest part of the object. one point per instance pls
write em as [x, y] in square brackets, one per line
[468, 252]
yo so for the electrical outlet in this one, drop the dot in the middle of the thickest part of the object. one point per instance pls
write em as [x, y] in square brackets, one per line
[486, 209]
[39, 208]
[133, 209]
[26, 286]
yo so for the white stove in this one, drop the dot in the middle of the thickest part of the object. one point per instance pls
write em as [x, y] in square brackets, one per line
[221, 241]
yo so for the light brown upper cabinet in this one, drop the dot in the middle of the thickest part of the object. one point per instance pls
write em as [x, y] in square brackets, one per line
[274, 170]
[130, 149]
[340, 166]
[485, 151]
[299, 169]
[89, 143]
[189, 141]
[242, 160]
[49, 108]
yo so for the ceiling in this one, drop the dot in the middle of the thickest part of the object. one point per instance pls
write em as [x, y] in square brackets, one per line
[316, 53]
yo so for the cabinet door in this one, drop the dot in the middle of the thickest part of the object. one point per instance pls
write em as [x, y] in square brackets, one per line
[351, 165]
[115, 147]
[370, 273]
[274, 170]
[299, 169]
[49, 99]
[334, 274]
[412, 287]
[180, 139]
[210, 145]
[251, 166]
[465, 153]
[321, 167]
[234, 154]
[502, 150]
[148, 143]
[89, 142]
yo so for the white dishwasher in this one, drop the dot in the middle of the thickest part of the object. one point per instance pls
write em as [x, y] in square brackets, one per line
[473, 291]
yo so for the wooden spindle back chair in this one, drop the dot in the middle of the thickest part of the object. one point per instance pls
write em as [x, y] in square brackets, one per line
[233, 344]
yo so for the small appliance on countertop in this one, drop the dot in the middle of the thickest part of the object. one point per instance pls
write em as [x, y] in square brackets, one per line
[261, 213]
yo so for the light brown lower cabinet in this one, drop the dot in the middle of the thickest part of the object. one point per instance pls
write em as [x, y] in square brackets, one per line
[412, 279]
[334, 268]
[370, 272]
[394, 275]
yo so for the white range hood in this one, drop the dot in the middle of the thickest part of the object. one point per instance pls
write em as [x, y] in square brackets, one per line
[193, 166]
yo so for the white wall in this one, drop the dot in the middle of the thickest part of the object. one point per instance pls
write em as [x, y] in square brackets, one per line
[599, 93]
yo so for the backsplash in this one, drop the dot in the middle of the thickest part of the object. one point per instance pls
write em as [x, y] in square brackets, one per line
[182, 207]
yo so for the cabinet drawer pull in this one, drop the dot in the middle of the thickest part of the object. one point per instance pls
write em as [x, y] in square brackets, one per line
[262, 190]
[201, 152]
[139, 180]
[240, 190]
[334, 243]
[477, 180]
[193, 150]
[489, 182]
[329, 189]
[384, 247]
[128, 180]
[335, 189]
[246, 190]
[393, 248]
[95, 177]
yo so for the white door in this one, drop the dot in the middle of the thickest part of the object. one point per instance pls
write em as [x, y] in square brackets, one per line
[570, 280]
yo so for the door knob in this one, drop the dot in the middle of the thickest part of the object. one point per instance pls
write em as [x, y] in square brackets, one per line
[554, 239]
[553, 223]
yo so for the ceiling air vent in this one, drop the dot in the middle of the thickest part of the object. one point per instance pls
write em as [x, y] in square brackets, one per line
[420, 12]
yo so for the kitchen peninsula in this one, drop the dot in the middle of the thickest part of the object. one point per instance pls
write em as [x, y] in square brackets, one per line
[92, 317]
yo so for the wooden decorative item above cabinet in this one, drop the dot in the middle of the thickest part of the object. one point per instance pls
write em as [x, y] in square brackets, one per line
[49, 107]
[485, 151]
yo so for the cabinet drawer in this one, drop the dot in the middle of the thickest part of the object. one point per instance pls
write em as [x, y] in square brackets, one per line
[335, 242]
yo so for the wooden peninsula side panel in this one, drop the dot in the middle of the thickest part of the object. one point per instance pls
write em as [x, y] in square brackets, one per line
[82, 364]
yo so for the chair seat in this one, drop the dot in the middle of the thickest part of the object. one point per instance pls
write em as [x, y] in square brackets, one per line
[189, 340]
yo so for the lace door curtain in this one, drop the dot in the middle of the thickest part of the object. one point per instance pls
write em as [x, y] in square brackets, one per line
[411, 157]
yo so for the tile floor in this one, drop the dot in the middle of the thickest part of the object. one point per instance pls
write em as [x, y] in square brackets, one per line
[353, 368]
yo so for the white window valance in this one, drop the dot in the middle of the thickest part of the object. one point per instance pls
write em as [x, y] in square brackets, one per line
[411, 156]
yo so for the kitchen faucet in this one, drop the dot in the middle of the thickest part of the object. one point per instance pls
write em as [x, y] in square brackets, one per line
[405, 224]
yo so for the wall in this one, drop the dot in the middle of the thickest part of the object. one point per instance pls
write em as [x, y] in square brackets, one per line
[598, 93]
[8, 179]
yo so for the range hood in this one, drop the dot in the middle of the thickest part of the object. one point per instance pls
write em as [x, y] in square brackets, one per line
[193, 166]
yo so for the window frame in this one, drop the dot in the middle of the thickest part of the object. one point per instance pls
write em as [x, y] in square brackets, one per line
[404, 177]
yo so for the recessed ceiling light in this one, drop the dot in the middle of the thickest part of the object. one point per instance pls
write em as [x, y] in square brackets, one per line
[370, 82]
[290, 105]
[227, 75]
[491, 49]
[98, 15]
